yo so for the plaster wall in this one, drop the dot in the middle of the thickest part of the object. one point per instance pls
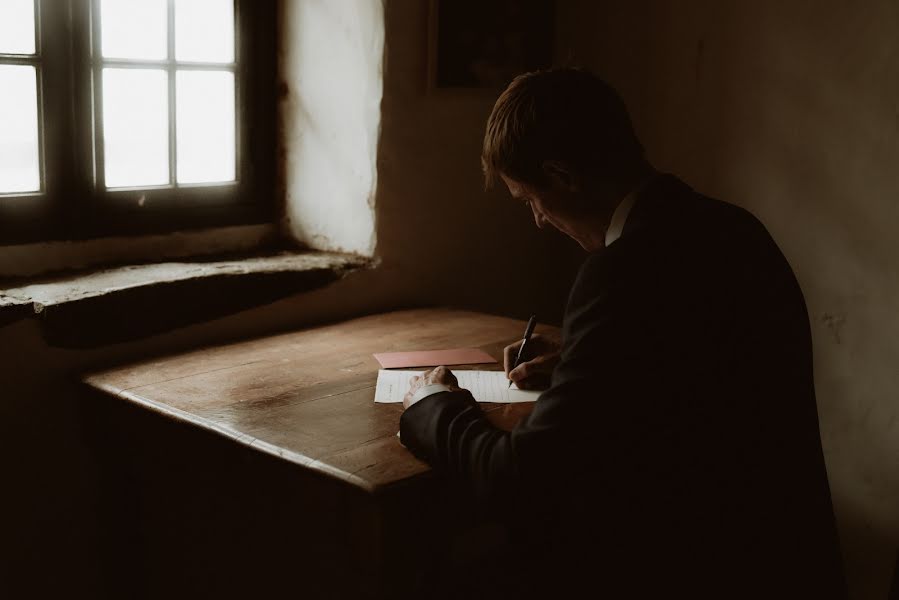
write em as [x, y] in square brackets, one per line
[331, 80]
[790, 110]
[437, 235]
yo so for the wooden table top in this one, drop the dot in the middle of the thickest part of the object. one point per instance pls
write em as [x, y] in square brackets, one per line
[308, 396]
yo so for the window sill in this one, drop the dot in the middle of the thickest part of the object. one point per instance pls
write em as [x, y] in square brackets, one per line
[93, 308]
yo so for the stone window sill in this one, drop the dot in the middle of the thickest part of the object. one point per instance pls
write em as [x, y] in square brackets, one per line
[98, 307]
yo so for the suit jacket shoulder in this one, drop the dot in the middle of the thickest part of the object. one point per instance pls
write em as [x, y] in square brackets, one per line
[682, 412]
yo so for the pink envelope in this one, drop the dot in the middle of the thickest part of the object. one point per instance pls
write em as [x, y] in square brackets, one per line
[433, 358]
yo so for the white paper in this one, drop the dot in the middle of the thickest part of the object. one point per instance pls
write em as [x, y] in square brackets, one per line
[485, 386]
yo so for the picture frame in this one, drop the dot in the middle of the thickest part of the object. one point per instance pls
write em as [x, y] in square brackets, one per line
[484, 44]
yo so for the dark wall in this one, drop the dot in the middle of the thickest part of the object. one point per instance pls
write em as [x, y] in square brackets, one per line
[789, 109]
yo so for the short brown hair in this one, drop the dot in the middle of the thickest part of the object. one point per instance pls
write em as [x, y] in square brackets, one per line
[567, 114]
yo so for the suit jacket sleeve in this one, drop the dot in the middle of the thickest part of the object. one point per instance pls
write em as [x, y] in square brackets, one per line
[449, 430]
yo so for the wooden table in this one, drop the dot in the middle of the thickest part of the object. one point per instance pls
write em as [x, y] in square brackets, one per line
[305, 397]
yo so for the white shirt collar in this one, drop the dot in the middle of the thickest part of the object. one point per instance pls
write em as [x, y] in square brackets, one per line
[619, 217]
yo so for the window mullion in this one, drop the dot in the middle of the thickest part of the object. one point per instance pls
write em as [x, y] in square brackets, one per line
[173, 124]
[41, 40]
[56, 108]
[93, 98]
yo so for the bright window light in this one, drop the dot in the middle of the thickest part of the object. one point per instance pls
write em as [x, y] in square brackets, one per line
[17, 26]
[135, 107]
[135, 127]
[204, 30]
[205, 125]
[19, 162]
[135, 29]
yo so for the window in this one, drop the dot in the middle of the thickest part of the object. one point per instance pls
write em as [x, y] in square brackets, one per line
[134, 116]
[20, 68]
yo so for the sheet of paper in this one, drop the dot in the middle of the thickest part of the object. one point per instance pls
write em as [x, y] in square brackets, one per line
[433, 358]
[485, 386]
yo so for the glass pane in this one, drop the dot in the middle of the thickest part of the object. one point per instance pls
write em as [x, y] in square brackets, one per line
[135, 127]
[206, 142]
[134, 29]
[17, 26]
[19, 162]
[204, 30]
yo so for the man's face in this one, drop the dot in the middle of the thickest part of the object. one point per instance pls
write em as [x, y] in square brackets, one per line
[553, 204]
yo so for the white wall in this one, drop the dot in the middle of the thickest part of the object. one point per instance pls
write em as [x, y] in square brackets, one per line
[331, 75]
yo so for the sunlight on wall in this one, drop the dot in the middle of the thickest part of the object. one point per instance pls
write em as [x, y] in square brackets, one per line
[333, 55]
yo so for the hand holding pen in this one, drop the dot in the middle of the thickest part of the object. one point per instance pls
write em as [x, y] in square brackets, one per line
[530, 361]
[528, 331]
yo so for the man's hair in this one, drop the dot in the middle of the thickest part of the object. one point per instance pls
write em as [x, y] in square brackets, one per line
[567, 115]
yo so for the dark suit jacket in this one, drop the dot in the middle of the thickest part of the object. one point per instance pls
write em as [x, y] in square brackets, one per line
[677, 452]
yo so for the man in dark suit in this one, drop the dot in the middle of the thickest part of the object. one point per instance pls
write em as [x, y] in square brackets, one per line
[676, 452]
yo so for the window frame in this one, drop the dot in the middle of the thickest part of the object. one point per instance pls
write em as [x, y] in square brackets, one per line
[72, 204]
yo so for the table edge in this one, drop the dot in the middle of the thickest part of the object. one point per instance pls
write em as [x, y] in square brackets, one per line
[296, 458]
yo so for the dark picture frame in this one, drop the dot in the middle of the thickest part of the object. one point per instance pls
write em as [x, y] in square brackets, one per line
[485, 43]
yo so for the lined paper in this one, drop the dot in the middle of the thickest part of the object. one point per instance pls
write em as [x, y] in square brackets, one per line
[485, 386]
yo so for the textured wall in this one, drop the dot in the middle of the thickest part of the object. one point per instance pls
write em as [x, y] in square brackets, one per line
[332, 84]
[424, 214]
[790, 109]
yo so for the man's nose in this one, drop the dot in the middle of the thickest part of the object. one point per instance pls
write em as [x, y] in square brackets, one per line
[538, 218]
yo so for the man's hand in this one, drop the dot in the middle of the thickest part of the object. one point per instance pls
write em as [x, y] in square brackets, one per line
[437, 375]
[535, 370]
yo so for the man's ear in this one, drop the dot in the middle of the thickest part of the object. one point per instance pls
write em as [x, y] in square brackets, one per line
[561, 175]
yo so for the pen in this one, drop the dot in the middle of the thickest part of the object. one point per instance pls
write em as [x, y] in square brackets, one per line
[532, 322]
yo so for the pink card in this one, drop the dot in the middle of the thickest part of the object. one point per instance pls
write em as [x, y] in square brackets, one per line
[433, 358]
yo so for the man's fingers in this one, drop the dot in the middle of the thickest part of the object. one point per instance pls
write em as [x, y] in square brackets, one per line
[542, 365]
[522, 371]
[440, 375]
[509, 354]
[538, 345]
[524, 376]
[447, 376]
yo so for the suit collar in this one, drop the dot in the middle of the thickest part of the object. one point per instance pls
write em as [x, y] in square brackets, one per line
[656, 203]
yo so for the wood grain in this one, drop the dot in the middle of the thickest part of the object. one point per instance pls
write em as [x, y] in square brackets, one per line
[308, 396]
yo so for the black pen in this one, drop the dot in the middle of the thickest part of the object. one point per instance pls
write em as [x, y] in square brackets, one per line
[532, 322]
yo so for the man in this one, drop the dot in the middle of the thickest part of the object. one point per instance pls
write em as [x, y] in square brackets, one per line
[676, 452]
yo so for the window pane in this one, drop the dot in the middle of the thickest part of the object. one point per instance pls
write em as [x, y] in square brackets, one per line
[135, 127]
[17, 26]
[134, 29]
[19, 163]
[204, 30]
[205, 126]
